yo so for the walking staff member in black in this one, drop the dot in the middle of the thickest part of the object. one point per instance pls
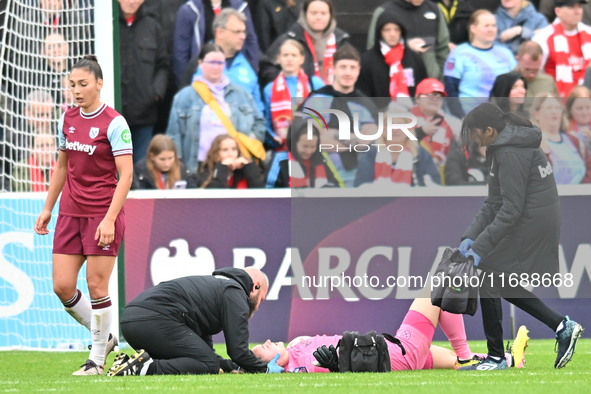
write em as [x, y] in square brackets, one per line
[517, 229]
[173, 324]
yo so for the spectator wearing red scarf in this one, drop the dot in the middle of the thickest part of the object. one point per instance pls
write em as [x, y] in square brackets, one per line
[34, 173]
[316, 29]
[279, 95]
[390, 68]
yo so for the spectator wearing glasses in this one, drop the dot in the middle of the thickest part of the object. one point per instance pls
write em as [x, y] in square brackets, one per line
[230, 30]
[195, 28]
[194, 123]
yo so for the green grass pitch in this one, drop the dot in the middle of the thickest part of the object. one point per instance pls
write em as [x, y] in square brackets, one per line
[30, 372]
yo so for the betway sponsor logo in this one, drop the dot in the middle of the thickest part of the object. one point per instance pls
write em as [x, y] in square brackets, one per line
[545, 171]
[81, 147]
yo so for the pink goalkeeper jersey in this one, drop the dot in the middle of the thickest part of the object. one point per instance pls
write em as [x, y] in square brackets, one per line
[91, 141]
[301, 354]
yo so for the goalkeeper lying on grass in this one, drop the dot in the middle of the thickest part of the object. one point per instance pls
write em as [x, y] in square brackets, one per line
[415, 335]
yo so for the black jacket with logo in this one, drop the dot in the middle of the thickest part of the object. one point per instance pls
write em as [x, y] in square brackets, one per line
[209, 305]
[518, 227]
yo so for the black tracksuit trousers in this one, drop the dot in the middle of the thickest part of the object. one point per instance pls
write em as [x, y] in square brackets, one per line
[492, 310]
[174, 347]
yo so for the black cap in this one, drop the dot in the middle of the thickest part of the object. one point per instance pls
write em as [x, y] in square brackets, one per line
[567, 3]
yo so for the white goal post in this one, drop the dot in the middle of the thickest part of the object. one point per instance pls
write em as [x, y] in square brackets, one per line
[37, 49]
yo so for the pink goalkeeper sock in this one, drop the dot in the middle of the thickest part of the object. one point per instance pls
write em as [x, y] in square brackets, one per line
[453, 327]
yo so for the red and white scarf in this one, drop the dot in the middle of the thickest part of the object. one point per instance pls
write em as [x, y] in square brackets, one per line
[328, 64]
[438, 144]
[299, 178]
[37, 177]
[393, 57]
[401, 174]
[281, 99]
[564, 72]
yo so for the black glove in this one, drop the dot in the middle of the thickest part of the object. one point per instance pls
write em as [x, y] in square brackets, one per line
[327, 358]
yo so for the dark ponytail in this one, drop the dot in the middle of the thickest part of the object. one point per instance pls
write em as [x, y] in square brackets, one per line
[489, 115]
[90, 64]
[209, 48]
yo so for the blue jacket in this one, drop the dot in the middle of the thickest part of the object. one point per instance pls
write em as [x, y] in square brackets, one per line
[292, 84]
[528, 18]
[185, 119]
[423, 165]
[242, 74]
[190, 31]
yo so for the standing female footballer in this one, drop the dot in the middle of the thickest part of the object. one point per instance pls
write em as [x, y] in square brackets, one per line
[95, 144]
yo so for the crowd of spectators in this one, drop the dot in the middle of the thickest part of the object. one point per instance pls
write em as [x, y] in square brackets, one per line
[214, 91]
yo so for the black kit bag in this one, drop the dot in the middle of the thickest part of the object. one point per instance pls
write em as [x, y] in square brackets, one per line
[458, 296]
[365, 353]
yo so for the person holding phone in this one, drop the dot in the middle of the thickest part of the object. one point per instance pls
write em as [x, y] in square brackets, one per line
[161, 168]
[433, 131]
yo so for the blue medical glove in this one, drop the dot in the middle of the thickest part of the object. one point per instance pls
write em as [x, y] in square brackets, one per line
[465, 245]
[472, 253]
[272, 367]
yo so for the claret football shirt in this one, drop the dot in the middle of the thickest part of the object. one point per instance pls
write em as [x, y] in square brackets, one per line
[92, 141]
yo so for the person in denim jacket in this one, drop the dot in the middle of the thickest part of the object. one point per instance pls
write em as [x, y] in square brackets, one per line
[193, 125]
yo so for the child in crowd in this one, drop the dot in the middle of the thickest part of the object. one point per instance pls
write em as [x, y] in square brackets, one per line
[226, 167]
[304, 165]
[161, 168]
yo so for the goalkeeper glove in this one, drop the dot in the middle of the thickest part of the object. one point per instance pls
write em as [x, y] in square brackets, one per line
[327, 358]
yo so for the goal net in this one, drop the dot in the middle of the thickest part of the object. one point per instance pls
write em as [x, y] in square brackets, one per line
[40, 41]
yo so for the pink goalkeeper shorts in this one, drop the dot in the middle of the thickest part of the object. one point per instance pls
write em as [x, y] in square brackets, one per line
[415, 334]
